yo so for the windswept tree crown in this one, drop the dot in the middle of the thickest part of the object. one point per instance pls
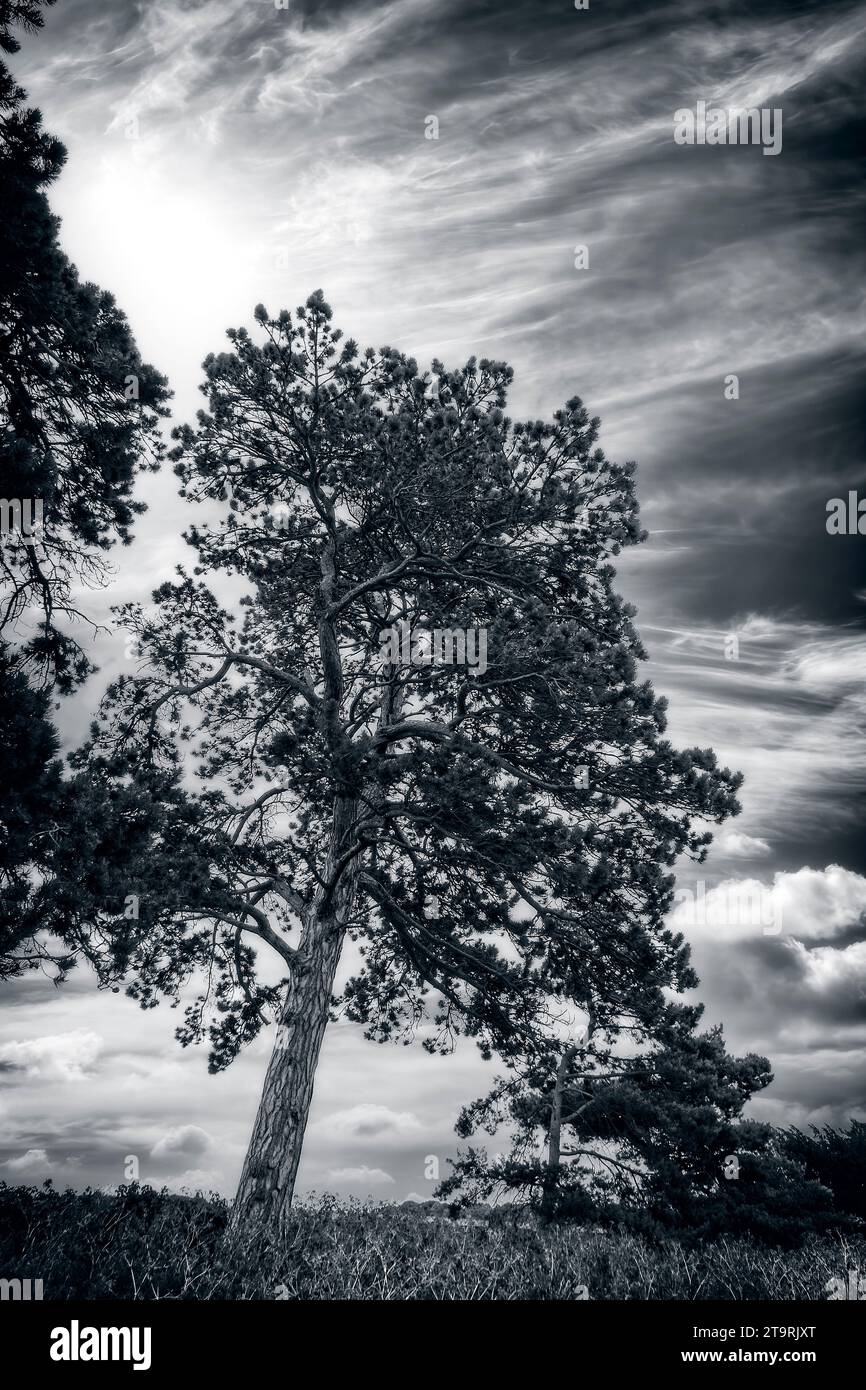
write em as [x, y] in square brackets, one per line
[498, 844]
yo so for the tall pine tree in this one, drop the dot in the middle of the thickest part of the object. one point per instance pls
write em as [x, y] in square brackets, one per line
[494, 837]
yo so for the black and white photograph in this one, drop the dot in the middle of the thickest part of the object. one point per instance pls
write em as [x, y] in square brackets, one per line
[432, 671]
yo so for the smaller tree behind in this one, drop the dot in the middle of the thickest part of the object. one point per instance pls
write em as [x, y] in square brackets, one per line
[656, 1138]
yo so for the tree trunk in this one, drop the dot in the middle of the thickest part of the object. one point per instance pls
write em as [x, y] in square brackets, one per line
[271, 1165]
[554, 1139]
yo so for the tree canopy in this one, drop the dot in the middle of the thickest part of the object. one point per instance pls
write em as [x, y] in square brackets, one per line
[485, 872]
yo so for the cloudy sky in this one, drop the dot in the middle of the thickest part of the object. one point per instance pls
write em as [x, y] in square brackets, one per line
[223, 152]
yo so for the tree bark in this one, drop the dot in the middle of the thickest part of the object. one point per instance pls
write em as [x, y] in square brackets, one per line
[271, 1166]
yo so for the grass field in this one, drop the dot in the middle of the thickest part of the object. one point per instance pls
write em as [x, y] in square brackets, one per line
[144, 1244]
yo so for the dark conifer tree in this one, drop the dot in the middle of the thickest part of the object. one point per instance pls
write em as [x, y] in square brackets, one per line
[78, 417]
[497, 844]
[653, 1136]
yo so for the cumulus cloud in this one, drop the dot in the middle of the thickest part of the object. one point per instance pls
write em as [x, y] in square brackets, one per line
[819, 903]
[783, 964]
[34, 1161]
[809, 905]
[370, 1121]
[736, 845]
[184, 1141]
[61, 1057]
[831, 980]
[373, 1176]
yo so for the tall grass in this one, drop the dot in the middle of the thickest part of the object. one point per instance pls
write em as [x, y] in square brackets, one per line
[143, 1244]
